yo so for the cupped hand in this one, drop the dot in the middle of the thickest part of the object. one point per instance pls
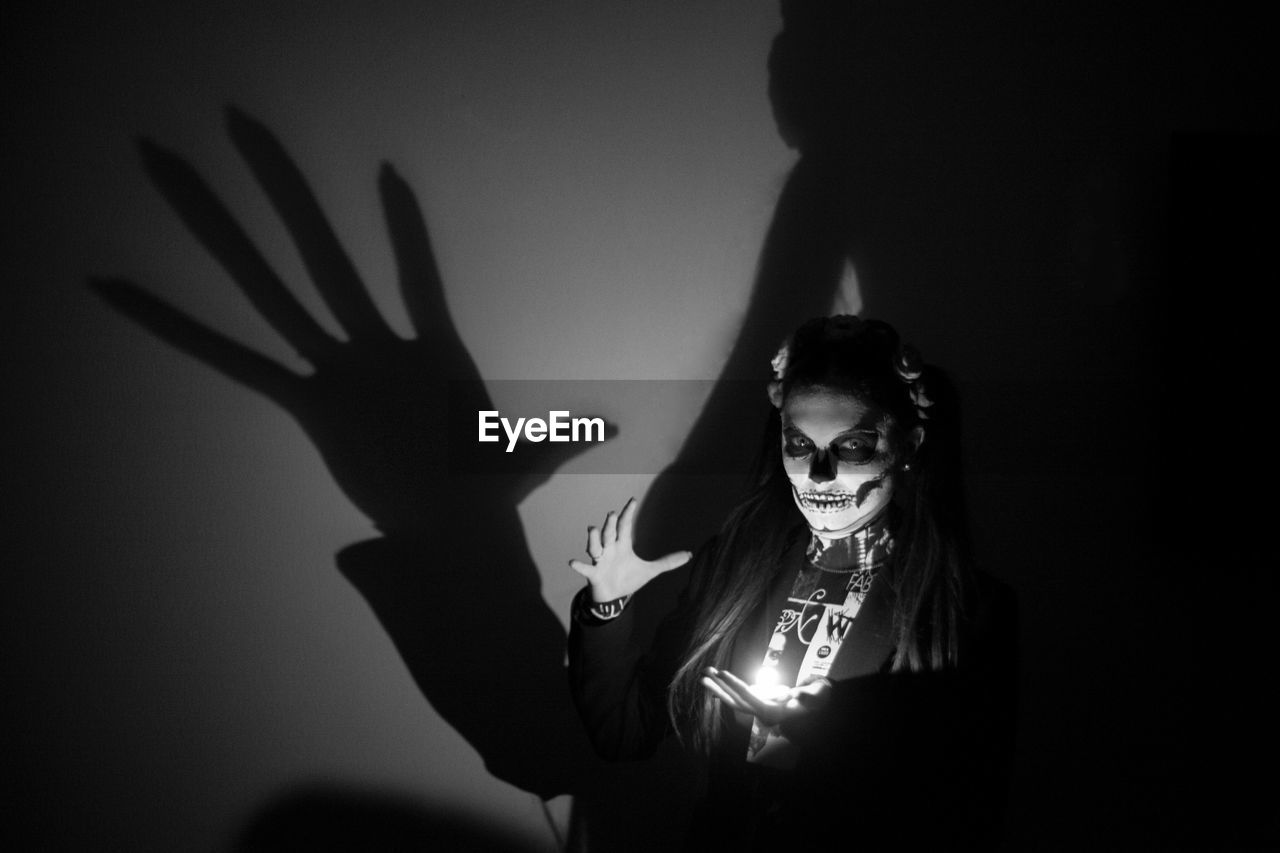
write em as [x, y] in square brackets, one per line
[787, 705]
[615, 570]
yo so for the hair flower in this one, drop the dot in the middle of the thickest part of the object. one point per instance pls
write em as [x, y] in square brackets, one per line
[909, 364]
[779, 365]
[920, 399]
[775, 394]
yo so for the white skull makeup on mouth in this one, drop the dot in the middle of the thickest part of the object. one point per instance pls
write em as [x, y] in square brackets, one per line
[839, 453]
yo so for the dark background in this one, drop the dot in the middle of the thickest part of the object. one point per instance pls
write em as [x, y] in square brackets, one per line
[1070, 206]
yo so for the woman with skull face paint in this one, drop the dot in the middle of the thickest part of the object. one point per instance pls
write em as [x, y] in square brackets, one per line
[846, 669]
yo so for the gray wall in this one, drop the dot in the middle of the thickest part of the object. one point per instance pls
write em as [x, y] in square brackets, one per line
[598, 178]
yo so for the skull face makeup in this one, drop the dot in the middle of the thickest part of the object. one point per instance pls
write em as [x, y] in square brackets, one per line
[841, 454]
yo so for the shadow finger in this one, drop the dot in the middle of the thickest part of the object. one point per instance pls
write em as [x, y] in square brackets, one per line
[326, 261]
[213, 225]
[420, 284]
[179, 330]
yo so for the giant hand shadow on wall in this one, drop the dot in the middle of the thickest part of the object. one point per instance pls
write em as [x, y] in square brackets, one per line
[373, 406]
[453, 554]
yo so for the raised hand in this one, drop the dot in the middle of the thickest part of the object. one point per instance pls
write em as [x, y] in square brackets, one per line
[383, 412]
[615, 570]
[769, 709]
[376, 405]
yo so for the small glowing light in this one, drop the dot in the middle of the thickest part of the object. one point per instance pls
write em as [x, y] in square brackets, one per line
[766, 676]
[766, 684]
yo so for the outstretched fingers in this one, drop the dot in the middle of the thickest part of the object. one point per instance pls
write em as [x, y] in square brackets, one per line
[722, 694]
[330, 268]
[672, 561]
[420, 284]
[176, 328]
[741, 691]
[626, 520]
[587, 570]
[213, 225]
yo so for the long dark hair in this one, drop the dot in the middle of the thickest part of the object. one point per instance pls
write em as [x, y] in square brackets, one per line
[930, 568]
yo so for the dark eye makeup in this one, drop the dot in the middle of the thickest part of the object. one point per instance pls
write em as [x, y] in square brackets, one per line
[856, 447]
[797, 445]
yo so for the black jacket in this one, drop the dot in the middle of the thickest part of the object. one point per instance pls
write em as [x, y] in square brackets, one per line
[915, 759]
